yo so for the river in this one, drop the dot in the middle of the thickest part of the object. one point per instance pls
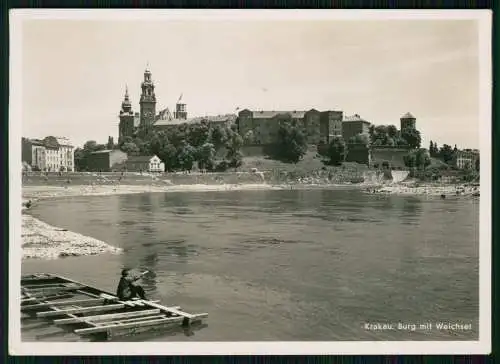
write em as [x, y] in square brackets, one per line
[300, 265]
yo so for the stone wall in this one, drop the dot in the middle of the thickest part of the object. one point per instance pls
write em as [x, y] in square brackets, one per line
[394, 155]
[358, 153]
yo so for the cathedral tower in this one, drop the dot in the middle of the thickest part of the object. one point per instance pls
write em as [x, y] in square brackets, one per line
[148, 101]
[126, 127]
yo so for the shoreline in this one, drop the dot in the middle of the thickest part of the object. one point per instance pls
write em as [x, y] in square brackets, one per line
[40, 240]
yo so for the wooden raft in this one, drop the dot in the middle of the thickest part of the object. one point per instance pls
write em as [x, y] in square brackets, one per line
[94, 311]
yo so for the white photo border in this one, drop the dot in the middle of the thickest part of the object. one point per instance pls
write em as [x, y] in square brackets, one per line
[17, 347]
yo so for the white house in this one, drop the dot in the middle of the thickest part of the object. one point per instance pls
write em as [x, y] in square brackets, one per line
[145, 163]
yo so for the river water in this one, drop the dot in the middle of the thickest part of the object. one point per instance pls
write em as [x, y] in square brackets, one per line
[286, 265]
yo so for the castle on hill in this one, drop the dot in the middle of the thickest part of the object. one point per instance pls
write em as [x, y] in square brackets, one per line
[149, 119]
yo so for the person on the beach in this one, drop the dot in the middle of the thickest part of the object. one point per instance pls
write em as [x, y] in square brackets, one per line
[127, 288]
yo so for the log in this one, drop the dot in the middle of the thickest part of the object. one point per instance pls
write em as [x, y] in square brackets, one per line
[111, 316]
[93, 330]
[80, 310]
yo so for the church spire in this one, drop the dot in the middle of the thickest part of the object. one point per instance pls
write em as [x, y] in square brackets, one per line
[126, 104]
[126, 93]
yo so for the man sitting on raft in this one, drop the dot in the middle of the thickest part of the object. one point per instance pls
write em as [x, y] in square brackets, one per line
[127, 289]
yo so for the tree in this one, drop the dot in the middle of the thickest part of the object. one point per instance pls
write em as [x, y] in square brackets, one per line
[291, 143]
[371, 133]
[168, 154]
[111, 144]
[234, 140]
[400, 142]
[477, 164]
[337, 151]
[412, 137]
[80, 159]
[81, 155]
[235, 159]
[218, 137]
[422, 158]
[198, 134]
[206, 156]
[359, 139]
[390, 142]
[186, 156]
[410, 160]
[392, 131]
[158, 142]
[381, 130]
[249, 137]
[446, 153]
[124, 140]
[130, 148]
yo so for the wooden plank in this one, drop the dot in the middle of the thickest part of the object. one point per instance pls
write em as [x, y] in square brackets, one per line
[60, 303]
[52, 290]
[37, 278]
[45, 298]
[82, 320]
[174, 311]
[111, 316]
[93, 330]
[48, 285]
[126, 321]
[81, 310]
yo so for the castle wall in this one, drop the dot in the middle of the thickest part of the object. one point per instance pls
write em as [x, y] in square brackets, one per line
[395, 156]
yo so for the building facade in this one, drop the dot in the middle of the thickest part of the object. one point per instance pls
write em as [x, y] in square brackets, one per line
[354, 125]
[51, 154]
[261, 127]
[151, 164]
[106, 160]
[466, 158]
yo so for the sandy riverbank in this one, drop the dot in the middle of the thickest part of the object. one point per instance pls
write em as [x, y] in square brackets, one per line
[41, 192]
[429, 190]
[43, 241]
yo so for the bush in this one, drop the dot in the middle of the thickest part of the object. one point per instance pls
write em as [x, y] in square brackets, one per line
[336, 151]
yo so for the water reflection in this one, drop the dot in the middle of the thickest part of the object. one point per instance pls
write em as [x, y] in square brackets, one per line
[314, 263]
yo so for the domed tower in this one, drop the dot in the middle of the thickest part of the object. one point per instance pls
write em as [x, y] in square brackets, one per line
[180, 109]
[148, 100]
[126, 126]
[408, 121]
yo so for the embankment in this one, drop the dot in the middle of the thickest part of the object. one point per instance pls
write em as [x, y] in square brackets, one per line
[43, 241]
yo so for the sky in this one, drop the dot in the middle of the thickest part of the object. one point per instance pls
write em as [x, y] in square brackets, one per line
[75, 71]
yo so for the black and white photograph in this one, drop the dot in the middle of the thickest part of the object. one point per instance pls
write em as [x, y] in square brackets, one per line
[250, 182]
